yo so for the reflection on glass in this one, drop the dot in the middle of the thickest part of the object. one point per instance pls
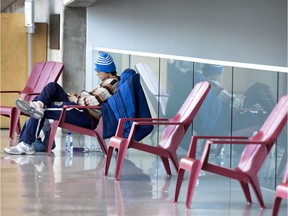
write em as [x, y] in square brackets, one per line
[153, 64]
[179, 85]
[282, 142]
[151, 85]
[259, 91]
[238, 103]
[214, 116]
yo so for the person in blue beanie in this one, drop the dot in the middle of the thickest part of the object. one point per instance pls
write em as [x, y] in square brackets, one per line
[213, 74]
[48, 105]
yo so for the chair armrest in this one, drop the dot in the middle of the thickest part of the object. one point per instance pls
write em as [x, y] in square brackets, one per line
[24, 93]
[150, 121]
[32, 93]
[222, 140]
[193, 144]
[121, 122]
[12, 91]
[237, 142]
[65, 107]
[143, 121]
[81, 107]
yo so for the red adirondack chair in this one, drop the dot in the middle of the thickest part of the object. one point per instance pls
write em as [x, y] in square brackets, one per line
[281, 193]
[253, 156]
[98, 132]
[41, 74]
[176, 128]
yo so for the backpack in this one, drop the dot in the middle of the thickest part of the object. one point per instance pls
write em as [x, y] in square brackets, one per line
[39, 146]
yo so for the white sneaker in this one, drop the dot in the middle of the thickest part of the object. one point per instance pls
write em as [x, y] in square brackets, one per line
[20, 149]
[30, 108]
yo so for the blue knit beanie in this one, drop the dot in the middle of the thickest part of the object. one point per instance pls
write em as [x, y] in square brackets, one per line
[105, 63]
[211, 69]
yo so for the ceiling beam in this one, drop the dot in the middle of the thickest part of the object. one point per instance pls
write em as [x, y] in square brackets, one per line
[79, 3]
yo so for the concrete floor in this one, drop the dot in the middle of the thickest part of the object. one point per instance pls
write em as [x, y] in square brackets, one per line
[59, 185]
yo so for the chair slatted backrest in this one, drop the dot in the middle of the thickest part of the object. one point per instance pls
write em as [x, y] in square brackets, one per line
[253, 156]
[151, 84]
[173, 134]
[275, 122]
[42, 74]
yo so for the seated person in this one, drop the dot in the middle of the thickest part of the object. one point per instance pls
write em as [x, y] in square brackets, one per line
[48, 105]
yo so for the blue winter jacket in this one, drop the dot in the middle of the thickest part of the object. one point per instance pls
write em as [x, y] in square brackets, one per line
[128, 102]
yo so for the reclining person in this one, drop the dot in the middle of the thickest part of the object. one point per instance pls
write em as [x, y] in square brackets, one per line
[53, 97]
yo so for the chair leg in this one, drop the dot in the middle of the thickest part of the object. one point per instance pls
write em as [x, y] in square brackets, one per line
[179, 183]
[120, 160]
[256, 187]
[53, 130]
[14, 122]
[18, 127]
[108, 159]
[122, 145]
[165, 162]
[13, 113]
[276, 206]
[175, 161]
[194, 174]
[12, 125]
[102, 143]
[246, 191]
[194, 167]
[99, 132]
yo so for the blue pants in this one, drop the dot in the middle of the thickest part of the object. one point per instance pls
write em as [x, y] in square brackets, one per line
[54, 98]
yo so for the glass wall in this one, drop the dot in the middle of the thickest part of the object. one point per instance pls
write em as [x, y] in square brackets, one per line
[238, 103]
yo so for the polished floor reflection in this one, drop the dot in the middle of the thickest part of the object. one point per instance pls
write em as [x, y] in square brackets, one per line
[60, 185]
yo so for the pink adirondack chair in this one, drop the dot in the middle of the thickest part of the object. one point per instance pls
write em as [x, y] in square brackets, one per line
[98, 132]
[176, 128]
[281, 193]
[253, 156]
[41, 74]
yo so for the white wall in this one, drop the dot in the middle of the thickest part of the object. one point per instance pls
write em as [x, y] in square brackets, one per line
[228, 30]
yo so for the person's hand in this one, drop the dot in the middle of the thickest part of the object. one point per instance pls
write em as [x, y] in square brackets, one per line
[73, 93]
[72, 98]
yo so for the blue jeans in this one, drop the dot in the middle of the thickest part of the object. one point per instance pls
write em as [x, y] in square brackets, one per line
[39, 146]
[54, 98]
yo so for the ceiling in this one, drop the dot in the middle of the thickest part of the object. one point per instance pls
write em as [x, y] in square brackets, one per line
[79, 3]
[6, 3]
